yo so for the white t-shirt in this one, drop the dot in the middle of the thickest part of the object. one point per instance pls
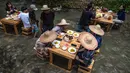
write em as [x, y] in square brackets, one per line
[25, 19]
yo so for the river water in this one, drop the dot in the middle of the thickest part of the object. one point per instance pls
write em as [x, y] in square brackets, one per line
[20, 56]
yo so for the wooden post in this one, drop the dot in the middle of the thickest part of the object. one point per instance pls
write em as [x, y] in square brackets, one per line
[108, 27]
[4, 28]
[51, 57]
[15, 29]
[70, 64]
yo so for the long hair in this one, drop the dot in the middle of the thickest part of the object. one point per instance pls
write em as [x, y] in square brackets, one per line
[7, 8]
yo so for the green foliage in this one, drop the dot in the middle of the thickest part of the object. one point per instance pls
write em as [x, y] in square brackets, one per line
[110, 4]
[113, 4]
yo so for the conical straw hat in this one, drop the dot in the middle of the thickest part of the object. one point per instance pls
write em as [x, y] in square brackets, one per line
[96, 29]
[48, 36]
[88, 41]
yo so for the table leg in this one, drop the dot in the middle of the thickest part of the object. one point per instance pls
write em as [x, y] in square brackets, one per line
[4, 28]
[15, 29]
[70, 64]
[51, 57]
[108, 27]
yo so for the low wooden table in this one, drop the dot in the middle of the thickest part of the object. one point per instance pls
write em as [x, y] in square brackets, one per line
[103, 20]
[63, 53]
[108, 22]
[4, 22]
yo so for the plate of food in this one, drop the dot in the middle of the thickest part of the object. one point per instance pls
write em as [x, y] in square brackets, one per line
[98, 15]
[70, 32]
[8, 18]
[72, 50]
[56, 42]
[76, 34]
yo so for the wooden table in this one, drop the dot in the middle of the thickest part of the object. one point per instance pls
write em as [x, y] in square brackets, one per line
[4, 22]
[63, 53]
[103, 20]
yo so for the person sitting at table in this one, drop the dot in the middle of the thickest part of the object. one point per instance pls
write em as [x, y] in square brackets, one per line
[85, 55]
[61, 27]
[47, 19]
[24, 16]
[120, 16]
[43, 43]
[96, 31]
[10, 8]
[85, 18]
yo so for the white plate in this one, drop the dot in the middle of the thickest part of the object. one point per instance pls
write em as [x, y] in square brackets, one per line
[72, 48]
[56, 42]
[76, 34]
[70, 32]
[62, 34]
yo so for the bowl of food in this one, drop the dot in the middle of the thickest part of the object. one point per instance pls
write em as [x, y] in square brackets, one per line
[98, 15]
[76, 34]
[70, 32]
[56, 42]
[72, 50]
[67, 38]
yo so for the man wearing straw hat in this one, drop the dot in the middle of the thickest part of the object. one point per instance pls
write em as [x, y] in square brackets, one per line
[43, 43]
[85, 54]
[61, 27]
[47, 19]
[96, 31]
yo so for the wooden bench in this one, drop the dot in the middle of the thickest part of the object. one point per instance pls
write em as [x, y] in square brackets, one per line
[39, 55]
[26, 31]
[86, 69]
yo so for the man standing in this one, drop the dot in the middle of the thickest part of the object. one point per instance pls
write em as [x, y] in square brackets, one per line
[47, 19]
[85, 18]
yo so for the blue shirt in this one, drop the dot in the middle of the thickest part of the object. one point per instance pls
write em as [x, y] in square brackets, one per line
[121, 14]
[99, 40]
[86, 55]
